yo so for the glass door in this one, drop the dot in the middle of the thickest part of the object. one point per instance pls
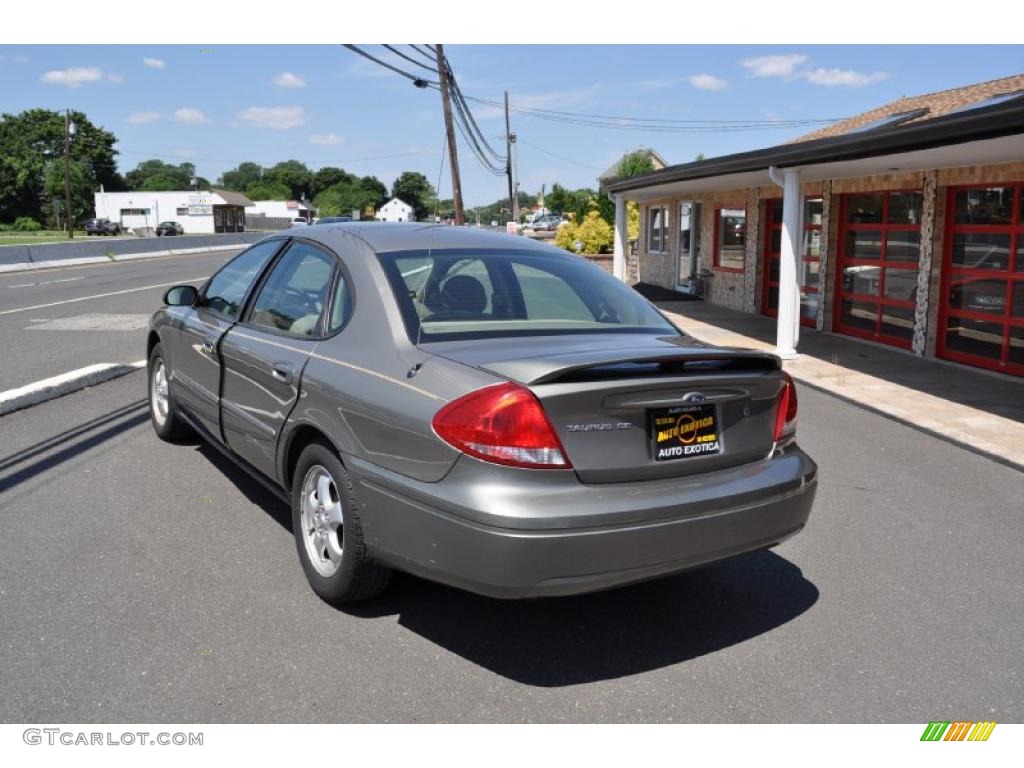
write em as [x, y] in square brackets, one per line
[876, 271]
[981, 319]
[809, 304]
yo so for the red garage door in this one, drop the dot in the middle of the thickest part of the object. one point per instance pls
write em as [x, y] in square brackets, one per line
[876, 276]
[981, 318]
[809, 303]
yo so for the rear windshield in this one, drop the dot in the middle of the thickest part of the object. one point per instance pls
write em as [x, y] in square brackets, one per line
[464, 294]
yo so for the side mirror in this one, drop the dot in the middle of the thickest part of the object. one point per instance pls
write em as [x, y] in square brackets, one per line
[181, 296]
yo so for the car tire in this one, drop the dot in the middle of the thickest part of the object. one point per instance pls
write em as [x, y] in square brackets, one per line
[163, 413]
[328, 530]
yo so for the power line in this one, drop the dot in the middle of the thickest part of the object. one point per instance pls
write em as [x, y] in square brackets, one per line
[414, 78]
[410, 59]
[560, 157]
[652, 120]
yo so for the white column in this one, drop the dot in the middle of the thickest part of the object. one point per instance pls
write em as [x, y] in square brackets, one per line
[788, 328]
[619, 252]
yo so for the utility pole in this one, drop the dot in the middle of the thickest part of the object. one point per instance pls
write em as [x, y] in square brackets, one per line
[68, 129]
[508, 168]
[453, 154]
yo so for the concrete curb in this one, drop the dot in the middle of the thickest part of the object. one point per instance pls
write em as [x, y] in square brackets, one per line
[28, 266]
[64, 384]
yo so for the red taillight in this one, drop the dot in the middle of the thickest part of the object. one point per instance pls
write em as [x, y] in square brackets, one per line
[785, 416]
[503, 423]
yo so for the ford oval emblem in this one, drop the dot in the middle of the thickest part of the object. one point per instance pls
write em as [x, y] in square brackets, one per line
[694, 398]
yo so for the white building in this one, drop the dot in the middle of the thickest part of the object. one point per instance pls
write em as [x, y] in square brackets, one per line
[198, 212]
[281, 209]
[395, 210]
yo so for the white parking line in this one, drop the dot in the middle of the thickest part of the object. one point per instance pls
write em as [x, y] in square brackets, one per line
[45, 282]
[180, 281]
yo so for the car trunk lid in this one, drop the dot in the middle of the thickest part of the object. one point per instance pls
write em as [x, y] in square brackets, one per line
[633, 407]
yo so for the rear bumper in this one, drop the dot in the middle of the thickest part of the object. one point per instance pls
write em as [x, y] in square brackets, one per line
[573, 538]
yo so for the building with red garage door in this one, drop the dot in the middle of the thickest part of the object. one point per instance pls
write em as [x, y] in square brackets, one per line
[903, 226]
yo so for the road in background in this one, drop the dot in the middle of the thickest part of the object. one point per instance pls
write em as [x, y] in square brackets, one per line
[56, 320]
[147, 582]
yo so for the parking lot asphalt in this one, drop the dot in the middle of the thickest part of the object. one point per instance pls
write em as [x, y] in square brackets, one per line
[57, 320]
[147, 582]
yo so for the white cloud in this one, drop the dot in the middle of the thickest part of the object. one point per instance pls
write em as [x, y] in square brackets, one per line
[114, 78]
[143, 118]
[72, 77]
[773, 66]
[278, 118]
[706, 82]
[845, 77]
[154, 63]
[190, 115]
[185, 152]
[329, 139]
[289, 80]
[21, 59]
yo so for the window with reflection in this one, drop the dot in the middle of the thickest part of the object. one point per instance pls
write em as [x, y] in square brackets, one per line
[982, 310]
[813, 214]
[730, 238]
[877, 265]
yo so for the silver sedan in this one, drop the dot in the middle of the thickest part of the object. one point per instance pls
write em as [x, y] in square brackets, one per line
[485, 411]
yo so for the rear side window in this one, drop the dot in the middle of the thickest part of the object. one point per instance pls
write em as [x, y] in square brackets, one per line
[491, 294]
[295, 293]
[227, 289]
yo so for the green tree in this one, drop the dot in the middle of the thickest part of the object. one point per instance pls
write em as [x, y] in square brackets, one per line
[241, 177]
[267, 190]
[414, 189]
[82, 200]
[294, 175]
[31, 139]
[158, 176]
[328, 177]
[342, 199]
[375, 187]
[634, 164]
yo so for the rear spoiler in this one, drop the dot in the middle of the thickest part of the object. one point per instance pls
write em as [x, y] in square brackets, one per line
[596, 366]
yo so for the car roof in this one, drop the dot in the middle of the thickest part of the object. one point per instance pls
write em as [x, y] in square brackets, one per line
[384, 237]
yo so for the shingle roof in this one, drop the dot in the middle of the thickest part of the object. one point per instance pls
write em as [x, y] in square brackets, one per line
[938, 104]
[232, 198]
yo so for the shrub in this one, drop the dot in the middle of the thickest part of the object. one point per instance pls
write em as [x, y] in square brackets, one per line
[26, 224]
[594, 234]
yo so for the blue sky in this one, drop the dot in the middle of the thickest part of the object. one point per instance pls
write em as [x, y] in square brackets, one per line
[324, 105]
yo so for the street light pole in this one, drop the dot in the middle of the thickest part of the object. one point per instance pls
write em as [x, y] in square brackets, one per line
[69, 128]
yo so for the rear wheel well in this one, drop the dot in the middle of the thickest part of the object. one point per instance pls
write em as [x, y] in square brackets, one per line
[297, 442]
[151, 342]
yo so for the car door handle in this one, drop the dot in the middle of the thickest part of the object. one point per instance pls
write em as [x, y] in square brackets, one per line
[282, 372]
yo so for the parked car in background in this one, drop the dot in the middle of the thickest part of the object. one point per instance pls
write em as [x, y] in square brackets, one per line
[169, 228]
[298, 221]
[496, 415]
[547, 223]
[333, 219]
[102, 227]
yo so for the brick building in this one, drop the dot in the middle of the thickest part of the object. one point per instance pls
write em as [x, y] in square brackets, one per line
[903, 225]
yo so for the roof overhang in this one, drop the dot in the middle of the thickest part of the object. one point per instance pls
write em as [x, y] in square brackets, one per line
[985, 136]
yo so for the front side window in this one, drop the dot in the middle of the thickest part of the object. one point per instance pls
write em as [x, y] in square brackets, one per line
[226, 290]
[293, 297]
[731, 238]
[495, 294]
